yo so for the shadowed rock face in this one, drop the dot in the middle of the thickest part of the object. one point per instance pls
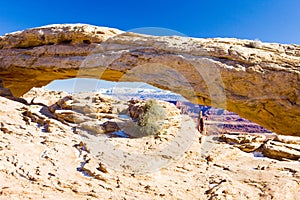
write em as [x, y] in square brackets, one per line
[259, 81]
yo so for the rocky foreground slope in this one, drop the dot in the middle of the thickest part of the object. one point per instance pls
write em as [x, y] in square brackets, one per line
[58, 146]
[259, 81]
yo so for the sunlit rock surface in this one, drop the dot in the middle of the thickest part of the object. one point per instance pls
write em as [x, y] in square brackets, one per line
[259, 81]
[46, 155]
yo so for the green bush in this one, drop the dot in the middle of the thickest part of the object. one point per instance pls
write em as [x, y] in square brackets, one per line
[148, 121]
[152, 113]
[255, 44]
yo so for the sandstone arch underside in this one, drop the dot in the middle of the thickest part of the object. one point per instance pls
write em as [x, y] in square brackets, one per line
[259, 81]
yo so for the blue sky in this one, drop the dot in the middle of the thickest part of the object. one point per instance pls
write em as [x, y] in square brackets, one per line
[267, 20]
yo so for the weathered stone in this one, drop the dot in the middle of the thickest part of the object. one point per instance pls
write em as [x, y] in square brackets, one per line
[136, 109]
[43, 97]
[245, 142]
[57, 34]
[93, 127]
[111, 126]
[279, 150]
[69, 116]
[259, 82]
[274, 146]
[249, 147]
[243, 138]
[288, 139]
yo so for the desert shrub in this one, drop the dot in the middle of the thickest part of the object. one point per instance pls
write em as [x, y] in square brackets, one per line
[152, 113]
[148, 121]
[255, 44]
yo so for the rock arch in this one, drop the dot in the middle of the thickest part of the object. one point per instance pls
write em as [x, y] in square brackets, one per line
[259, 81]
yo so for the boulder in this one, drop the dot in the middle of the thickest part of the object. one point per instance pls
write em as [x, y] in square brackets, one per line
[288, 139]
[273, 146]
[243, 138]
[281, 151]
[43, 97]
[247, 143]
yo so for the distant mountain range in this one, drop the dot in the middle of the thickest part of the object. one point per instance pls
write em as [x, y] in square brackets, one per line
[127, 93]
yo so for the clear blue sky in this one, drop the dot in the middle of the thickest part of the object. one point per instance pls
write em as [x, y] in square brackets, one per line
[267, 20]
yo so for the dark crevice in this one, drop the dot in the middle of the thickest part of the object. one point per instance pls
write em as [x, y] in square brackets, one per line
[65, 42]
[86, 42]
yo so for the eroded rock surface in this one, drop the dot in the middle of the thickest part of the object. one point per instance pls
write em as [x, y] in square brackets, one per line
[259, 82]
[42, 157]
[277, 147]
